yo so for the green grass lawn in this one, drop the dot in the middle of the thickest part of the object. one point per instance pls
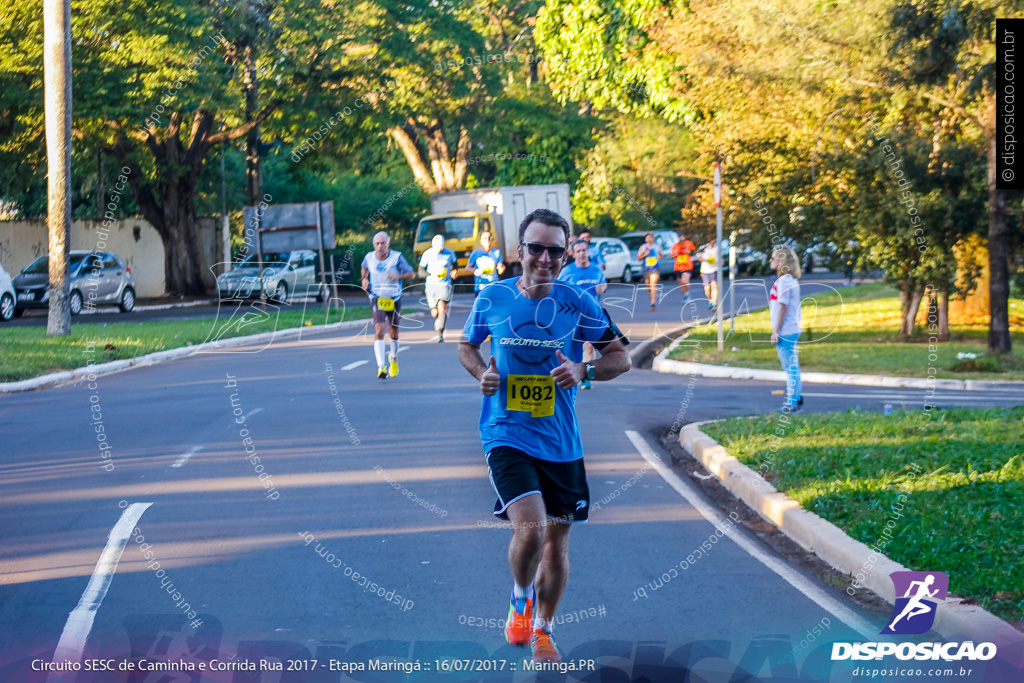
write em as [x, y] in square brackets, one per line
[962, 510]
[29, 352]
[853, 330]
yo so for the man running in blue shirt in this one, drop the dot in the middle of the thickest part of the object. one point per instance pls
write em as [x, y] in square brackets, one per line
[486, 263]
[438, 266]
[383, 271]
[590, 278]
[595, 251]
[582, 272]
[528, 424]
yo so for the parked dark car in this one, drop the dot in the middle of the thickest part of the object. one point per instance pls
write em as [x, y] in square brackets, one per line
[97, 278]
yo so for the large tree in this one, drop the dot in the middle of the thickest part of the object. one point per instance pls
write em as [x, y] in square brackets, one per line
[158, 86]
[945, 52]
[780, 93]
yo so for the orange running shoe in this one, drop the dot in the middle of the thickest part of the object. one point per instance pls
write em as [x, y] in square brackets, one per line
[520, 621]
[544, 648]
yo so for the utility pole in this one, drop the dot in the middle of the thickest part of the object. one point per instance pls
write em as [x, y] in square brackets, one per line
[57, 78]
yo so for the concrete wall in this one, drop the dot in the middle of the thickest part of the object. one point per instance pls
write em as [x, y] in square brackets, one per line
[133, 239]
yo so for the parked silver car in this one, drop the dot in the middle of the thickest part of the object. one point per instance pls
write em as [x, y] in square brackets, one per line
[286, 274]
[97, 278]
[618, 262]
[7, 296]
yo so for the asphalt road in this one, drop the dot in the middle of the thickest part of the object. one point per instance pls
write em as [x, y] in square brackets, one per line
[383, 483]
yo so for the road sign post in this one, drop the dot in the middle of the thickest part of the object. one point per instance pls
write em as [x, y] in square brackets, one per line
[732, 280]
[718, 251]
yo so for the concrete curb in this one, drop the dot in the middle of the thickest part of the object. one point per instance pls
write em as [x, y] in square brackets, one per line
[170, 354]
[814, 534]
[663, 364]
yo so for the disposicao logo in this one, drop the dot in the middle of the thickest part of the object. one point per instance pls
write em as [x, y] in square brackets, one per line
[919, 595]
[914, 613]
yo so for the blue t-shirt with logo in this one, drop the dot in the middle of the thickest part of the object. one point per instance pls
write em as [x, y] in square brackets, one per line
[525, 334]
[439, 264]
[487, 261]
[586, 279]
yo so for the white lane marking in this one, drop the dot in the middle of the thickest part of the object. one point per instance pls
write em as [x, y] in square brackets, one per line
[403, 348]
[356, 364]
[186, 456]
[787, 573]
[251, 413]
[79, 624]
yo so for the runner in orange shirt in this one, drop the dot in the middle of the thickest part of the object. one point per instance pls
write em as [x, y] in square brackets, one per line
[682, 261]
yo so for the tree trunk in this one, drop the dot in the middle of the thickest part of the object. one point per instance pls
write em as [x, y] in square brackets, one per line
[414, 157]
[944, 315]
[911, 303]
[182, 265]
[431, 161]
[998, 247]
[100, 190]
[905, 297]
[253, 166]
[173, 213]
[57, 76]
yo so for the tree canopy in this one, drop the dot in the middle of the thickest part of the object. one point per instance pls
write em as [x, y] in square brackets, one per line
[791, 99]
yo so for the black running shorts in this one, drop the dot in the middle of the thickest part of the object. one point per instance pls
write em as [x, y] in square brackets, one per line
[390, 316]
[562, 485]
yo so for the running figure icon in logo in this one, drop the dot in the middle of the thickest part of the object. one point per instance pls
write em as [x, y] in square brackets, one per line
[914, 613]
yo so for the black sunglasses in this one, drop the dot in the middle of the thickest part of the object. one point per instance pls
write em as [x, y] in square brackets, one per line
[536, 249]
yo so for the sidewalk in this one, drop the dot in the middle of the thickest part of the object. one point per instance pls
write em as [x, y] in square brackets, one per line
[663, 364]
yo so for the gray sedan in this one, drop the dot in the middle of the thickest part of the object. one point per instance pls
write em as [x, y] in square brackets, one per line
[286, 274]
[97, 278]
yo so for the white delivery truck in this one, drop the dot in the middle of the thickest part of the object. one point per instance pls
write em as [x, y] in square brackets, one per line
[462, 216]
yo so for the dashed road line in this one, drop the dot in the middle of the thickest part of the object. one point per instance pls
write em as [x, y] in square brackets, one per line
[186, 456]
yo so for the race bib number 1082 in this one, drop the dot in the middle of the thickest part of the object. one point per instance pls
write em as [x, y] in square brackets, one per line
[532, 393]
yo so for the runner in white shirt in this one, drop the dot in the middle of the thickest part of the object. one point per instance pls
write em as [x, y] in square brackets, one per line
[383, 271]
[438, 266]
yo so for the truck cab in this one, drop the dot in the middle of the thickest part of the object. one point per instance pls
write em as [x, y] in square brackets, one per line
[462, 216]
[461, 230]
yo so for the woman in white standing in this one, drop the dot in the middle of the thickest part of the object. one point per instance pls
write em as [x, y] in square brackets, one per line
[784, 313]
[709, 274]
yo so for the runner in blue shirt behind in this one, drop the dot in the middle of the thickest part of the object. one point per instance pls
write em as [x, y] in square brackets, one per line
[383, 271]
[596, 257]
[486, 263]
[528, 425]
[590, 278]
[582, 272]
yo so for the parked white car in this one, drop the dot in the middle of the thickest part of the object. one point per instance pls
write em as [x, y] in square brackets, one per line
[286, 274]
[7, 296]
[618, 262]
